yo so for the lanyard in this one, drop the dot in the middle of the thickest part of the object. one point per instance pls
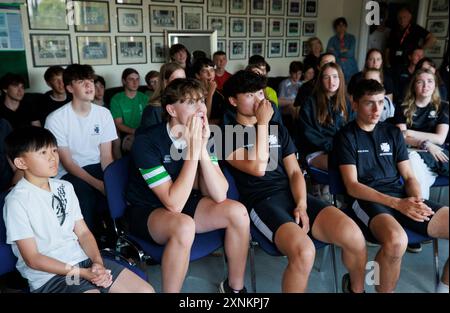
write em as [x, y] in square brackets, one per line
[405, 34]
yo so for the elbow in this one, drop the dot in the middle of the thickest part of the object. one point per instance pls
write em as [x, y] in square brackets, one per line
[351, 190]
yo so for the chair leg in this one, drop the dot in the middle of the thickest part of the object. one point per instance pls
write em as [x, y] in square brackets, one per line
[436, 262]
[252, 265]
[335, 272]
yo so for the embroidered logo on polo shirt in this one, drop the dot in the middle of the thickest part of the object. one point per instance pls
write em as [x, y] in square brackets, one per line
[96, 129]
[167, 159]
[386, 148]
[432, 114]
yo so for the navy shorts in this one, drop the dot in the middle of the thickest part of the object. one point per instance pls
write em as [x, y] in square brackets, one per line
[59, 284]
[366, 211]
[138, 216]
[275, 210]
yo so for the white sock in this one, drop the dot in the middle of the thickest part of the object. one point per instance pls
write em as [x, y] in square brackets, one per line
[442, 288]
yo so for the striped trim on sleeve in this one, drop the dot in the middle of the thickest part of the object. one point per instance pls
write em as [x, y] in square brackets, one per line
[155, 176]
[214, 159]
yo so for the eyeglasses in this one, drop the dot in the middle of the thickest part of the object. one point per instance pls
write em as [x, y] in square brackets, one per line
[60, 208]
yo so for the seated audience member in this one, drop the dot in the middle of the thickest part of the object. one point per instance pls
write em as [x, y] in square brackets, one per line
[309, 73]
[174, 197]
[374, 60]
[220, 61]
[127, 107]
[315, 47]
[152, 81]
[152, 114]
[179, 54]
[373, 159]
[272, 187]
[5, 165]
[405, 74]
[198, 54]
[389, 107]
[84, 133]
[215, 103]
[258, 64]
[57, 96]
[427, 63]
[46, 229]
[12, 107]
[306, 89]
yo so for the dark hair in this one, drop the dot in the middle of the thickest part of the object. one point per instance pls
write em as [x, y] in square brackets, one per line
[259, 60]
[174, 49]
[11, 79]
[339, 20]
[199, 64]
[28, 139]
[422, 61]
[99, 79]
[295, 66]
[151, 75]
[220, 52]
[199, 54]
[324, 55]
[242, 82]
[405, 8]
[77, 71]
[367, 87]
[128, 71]
[53, 70]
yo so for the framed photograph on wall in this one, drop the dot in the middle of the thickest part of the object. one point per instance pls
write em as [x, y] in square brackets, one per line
[92, 16]
[276, 7]
[94, 50]
[192, 18]
[238, 6]
[258, 7]
[221, 45]
[276, 27]
[129, 20]
[309, 28]
[237, 50]
[217, 23]
[292, 48]
[305, 48]
[275, 48]
[439, 27]
[51, 49]
[311, 8]
[133, 2]
[294, 7]
[238, 27]
[293, 27]
[47, 15]
[257, 27]
[437, 51]
[193, 1]
[257, 47]
[158, 53]
[438, 8]
[131, 49]
[217, 6]
[162, 18]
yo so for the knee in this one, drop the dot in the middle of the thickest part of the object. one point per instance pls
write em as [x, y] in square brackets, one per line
[185, 230]
[238, 215]
[148, 289]
[302, 255]
[395, 244]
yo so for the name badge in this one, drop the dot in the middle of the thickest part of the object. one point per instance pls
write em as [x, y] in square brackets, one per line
[399, 53]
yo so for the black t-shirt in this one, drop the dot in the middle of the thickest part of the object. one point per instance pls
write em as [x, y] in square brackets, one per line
[253, 189]
[5, 169]
[25, 114]
[387, 83]
[399, 48]
[375, 154]
[304, 92]
[217, 107]
[425, 119]
[51, 105]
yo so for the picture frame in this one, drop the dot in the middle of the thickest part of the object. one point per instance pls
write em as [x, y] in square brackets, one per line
[238, 7]
[257, 27]
[217, 23]
[94, 50]
[163, 18]
[293, 27]
[237, 50]
[158, 51]
[131, 49]
[277, 7]
[276, 27]
[221, 45]
[47, 17]
[193, 1]
[216, 6]
[51, 49]
[163, 1]
[257, 47]
[294, 8]
[310, 8]
[192, 18]
[275, 48]
[129, 20]
[438, 8]
[305, 48]
[92, 16]
[437, 51]
[258, 7]
[129, 2]
[309, 28]
[292, 49]
[238, 27]
[438, 26]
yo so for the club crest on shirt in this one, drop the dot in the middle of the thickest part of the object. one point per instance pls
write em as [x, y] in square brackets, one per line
[386, 149]
[96, 129]
[167, 159]
[432, 114]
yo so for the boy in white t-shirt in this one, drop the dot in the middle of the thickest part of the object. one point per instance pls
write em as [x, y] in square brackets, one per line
[84, 133]
[56, 251]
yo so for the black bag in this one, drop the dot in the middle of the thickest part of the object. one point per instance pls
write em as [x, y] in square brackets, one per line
[436, 166]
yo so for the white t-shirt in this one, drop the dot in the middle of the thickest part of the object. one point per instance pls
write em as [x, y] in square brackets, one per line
[49, 218]
[82, 135]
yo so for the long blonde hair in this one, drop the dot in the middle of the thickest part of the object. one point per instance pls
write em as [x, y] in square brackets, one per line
[409, 104]
[164, 74]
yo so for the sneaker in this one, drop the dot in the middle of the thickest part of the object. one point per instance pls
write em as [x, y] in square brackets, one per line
[414, 247]
[225, 288]
[346, 284]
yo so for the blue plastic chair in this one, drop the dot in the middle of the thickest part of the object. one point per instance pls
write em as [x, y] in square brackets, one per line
[257, 238]
[7, 258]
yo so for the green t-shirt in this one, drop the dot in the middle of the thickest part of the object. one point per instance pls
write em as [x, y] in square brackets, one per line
[271, 95]
[130, 110]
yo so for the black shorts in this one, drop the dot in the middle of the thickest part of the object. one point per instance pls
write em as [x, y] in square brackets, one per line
[366, 211]
[138, 216]
[269, 214]
[59, 283]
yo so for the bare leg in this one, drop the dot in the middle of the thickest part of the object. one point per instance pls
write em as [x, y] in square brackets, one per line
[438, 228]
[92, 291]
[333, 226]
[129, 282]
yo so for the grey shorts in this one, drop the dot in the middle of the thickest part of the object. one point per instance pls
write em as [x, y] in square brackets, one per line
[59, 284]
